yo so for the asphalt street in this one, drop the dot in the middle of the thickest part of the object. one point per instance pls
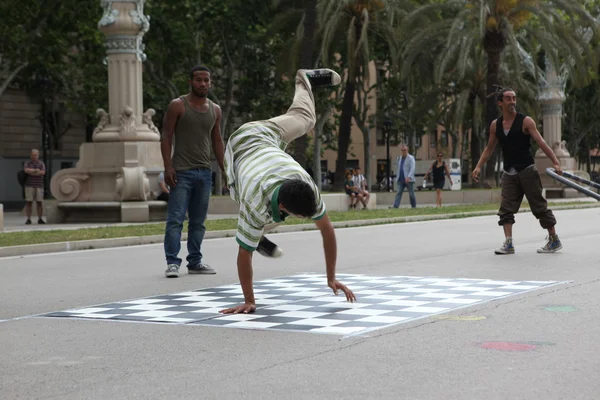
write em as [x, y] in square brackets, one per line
[541, 344]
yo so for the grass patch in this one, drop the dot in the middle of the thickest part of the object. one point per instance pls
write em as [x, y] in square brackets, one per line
[51, 236]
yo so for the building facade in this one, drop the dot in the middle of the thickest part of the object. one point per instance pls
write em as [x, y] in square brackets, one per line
[21, 131]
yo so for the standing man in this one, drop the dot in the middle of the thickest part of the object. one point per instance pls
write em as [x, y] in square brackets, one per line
[520, 176]
[406, 177]
[270, 185]
[194, 121]
[34, 185]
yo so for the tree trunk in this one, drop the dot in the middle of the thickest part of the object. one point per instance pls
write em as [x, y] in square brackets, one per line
[491, 110]
[306, 52]
[367, 153]
[344, 133]
[321, 121]
[454, 137]
[10, 78]
[226, 110]
[475, 151]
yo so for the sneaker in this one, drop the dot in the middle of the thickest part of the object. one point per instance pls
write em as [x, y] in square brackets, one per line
[553, 244]
[202, 269]
[268, 248]
[507, 247]
[172, 271]
[28, 222]
[322, 77]
[41, 221]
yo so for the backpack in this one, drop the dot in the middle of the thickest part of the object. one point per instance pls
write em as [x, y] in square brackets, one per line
[21, 177]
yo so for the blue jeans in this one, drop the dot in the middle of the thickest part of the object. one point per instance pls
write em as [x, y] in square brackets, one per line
[191, 194]
[410, 186]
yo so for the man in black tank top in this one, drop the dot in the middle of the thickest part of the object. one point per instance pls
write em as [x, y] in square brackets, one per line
[194, 122]
[520, 177]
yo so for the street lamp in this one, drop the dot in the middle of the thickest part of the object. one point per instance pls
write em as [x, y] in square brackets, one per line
[387, 126]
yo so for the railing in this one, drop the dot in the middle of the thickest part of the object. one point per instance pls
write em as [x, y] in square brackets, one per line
[571, 184]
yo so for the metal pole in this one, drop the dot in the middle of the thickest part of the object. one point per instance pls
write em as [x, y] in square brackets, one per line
[553, 174]
[387, 151]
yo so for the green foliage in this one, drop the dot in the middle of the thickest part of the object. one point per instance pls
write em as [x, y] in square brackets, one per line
[60, 42]
[235, 39]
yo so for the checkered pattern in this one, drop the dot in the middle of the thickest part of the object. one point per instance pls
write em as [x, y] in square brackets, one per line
[305, 303]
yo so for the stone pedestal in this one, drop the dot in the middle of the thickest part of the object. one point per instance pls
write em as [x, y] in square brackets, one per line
[552, 98]
[135, 211]
[552, 187]
[117, 171]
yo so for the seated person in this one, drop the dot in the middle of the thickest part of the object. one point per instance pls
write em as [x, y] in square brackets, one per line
[351, 190]
[361, 184]
[163, 193]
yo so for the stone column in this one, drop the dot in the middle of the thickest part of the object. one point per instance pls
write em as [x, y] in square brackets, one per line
[552, 98]
[124, 25]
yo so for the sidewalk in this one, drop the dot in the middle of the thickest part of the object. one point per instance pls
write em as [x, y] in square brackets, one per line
[15, 222]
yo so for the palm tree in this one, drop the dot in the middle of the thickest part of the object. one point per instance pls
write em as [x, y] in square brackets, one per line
[498, 24]
[354, 24]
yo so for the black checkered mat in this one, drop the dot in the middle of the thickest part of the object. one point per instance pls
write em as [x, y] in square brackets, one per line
[304, 303]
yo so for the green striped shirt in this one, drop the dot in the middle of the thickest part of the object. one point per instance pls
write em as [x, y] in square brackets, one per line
[256, 166]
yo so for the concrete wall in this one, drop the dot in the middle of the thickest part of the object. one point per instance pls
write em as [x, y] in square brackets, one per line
[333, 202]
[448, 196]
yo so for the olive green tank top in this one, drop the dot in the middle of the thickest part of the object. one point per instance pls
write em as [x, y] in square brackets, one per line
[193, 138]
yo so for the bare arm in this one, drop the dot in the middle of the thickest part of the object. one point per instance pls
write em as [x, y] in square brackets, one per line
[244, 264]
[429, 170]
[217, 140]
[174, 111]
[447, 171]
[329, 245]
[330, 248]
[29, 171]
[530, 128]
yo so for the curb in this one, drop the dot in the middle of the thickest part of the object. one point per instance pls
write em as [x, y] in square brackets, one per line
[15, 251]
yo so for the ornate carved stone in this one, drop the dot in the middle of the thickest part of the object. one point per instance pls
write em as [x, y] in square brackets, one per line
[560, 149]
[70, 185]
[139, 18]
[110, 15]
[132, 184]
[104, 120]
[147, 119]
[127, 123]
[552, 109]
[125, 43]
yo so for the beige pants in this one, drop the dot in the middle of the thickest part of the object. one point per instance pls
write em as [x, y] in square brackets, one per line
[300, 117]
[298, 120]
[34, 194]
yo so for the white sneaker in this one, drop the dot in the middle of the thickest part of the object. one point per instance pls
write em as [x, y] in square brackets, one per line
[553, 245]
[507, 248]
